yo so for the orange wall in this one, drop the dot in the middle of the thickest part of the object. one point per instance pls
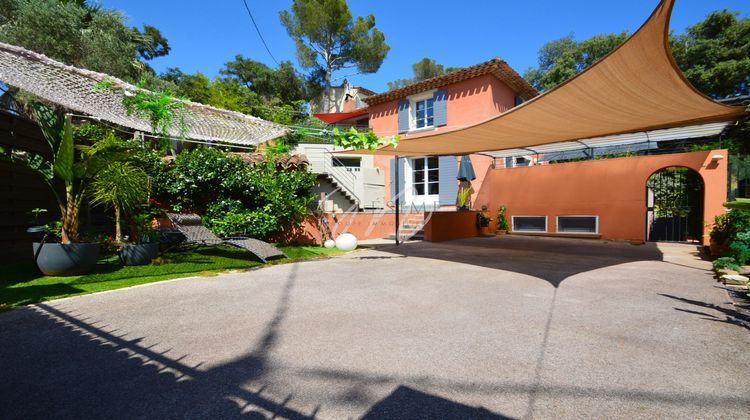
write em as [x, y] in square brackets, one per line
[450, 225]
[613, 189]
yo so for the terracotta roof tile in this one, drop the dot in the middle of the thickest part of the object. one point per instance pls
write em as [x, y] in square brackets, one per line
[496, 67]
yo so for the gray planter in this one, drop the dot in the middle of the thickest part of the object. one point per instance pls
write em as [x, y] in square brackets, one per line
[139, 254]
[55, 259]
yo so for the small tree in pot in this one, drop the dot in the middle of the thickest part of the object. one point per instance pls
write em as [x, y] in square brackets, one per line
[63, 166]
[502, 220]
[125, 187]
[69, 170]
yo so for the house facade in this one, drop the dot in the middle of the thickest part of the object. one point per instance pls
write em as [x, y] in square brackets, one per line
[446, 102]
[343, 98]
[585, 192]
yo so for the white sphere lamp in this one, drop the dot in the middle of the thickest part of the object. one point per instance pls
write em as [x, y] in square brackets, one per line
[329, 244]
[346, 242]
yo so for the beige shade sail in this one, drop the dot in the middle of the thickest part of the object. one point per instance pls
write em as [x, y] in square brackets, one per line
[638, 87]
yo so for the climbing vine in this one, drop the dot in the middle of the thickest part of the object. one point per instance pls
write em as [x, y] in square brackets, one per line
[160, 108]
[355, 139]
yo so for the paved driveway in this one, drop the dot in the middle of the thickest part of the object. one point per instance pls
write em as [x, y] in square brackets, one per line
[482, 328]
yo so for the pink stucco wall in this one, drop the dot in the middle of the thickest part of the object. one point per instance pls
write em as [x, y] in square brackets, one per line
[469, 102]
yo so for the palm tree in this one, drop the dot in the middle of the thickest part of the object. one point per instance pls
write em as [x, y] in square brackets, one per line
[123, 186]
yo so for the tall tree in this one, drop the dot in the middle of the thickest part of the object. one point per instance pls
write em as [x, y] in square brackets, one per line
[713, 54]
[81, 33]
[423, 69]
[284, 82]
[563, 58]
[151, 43]
[329, 39]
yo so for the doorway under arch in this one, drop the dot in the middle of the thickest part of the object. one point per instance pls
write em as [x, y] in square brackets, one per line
[674, 205]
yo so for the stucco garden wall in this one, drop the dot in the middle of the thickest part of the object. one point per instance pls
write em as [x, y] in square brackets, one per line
[613, 189]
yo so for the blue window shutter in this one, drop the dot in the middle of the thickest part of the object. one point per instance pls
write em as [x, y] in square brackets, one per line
[440, 107]
[448, 166]
[401, 180]
[403, 116]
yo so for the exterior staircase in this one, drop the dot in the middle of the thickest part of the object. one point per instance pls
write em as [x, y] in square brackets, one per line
[344, 189]
[411, 228]
[338, 176]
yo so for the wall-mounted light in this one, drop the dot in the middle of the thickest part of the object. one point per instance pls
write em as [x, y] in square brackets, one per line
[716, 158]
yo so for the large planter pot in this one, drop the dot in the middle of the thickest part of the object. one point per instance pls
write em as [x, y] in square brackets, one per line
[485, 231]
[65, 259]
[139, 254]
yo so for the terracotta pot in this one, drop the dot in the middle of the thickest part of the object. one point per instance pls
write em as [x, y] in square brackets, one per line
[500, 232]
[485, 231]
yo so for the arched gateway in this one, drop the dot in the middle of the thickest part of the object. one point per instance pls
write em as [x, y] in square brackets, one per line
[674, 205]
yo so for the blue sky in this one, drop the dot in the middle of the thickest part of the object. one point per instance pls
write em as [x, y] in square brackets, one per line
[204, 34]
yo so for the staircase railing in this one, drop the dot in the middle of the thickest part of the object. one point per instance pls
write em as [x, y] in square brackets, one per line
[323, 162]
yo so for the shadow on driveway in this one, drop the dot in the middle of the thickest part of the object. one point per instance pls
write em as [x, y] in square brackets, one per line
[550, 259]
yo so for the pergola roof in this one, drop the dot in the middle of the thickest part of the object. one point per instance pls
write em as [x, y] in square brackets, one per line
[76, 89]
[636, 88]
[639, 141]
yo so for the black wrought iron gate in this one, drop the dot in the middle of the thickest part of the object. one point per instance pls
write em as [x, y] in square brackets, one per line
[674, 200]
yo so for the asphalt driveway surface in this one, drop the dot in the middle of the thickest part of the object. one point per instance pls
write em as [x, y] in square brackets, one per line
[481, 328]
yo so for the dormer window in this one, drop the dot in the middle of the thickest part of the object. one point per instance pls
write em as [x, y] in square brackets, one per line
[424, 113]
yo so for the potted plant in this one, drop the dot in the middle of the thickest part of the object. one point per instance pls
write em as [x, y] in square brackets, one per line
[483, 221]
[69, 169]
[464, 195]
[502, 220]
[146, 247]
[719, 235]
[125, 187]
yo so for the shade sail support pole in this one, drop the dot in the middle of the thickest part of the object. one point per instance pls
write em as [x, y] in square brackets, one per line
[398, 197]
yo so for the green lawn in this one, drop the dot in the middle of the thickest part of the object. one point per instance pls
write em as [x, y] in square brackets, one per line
[22, 284]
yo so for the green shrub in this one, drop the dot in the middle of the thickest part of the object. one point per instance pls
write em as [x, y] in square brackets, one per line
[726, 262]
[236, 198]
[740, 247]
[230, 218]
[201, 176]
[733, 229]
[720, 230]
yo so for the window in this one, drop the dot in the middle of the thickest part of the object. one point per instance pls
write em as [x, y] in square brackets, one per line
[424, 113]
[529, 223]
[517, 161]
[522, 161]
[426, 176]
[350, 163]
[578, 224]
